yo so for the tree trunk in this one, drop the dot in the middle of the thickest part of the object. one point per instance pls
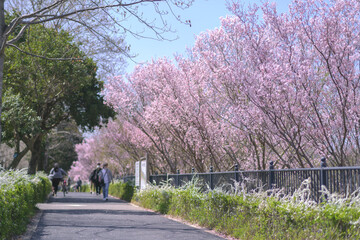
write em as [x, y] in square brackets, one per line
[41, 160]
[2, 56]
[36, 152]
[18, 158]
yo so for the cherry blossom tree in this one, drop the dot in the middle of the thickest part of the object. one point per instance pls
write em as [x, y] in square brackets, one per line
[262, 87]
[172, 112]
[294, 78]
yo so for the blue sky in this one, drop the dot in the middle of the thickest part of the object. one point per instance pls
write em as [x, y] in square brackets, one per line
[204, 15]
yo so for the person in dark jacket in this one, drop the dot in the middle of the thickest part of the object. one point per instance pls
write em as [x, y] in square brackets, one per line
[94, 179]
[56, 175]
[78, 185]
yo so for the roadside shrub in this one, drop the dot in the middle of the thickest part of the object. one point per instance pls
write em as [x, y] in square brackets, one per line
[258, 215]
[156, 198]
[19, 194]
[85, 188]
[124, 191]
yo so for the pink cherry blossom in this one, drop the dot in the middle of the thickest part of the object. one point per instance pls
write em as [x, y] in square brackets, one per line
[261, 87]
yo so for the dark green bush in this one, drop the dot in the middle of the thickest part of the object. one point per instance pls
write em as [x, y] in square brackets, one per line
[19, 194]
[124, 191]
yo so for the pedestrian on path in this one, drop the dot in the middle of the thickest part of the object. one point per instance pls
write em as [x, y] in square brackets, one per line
[56, 176]
[78, 185]
[105, 178]
[94, 179]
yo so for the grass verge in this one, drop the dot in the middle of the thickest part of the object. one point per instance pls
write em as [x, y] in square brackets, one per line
[258, 215]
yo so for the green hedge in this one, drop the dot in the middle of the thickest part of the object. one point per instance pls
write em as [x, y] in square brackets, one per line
[19, 193]
[124, 191]
[257, 215]
[85, 188]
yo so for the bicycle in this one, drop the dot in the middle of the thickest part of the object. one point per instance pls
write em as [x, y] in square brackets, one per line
[63, 187]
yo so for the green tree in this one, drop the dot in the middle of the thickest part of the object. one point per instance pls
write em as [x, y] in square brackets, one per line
[51, 91]
[60, 145]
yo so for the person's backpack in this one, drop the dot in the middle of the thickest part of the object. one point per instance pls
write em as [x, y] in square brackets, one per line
[92, 176]
[51, 175]
[101, 179]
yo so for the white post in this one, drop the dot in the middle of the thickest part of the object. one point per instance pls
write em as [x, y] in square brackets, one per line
[143, 172]
[137, 174]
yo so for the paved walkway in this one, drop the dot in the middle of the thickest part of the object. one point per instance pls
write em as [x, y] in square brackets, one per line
[85, 216]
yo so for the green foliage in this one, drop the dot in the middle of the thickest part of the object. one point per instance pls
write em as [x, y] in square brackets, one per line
[85, 188]
[124, 191]
[257, 215]
[61, 145]
[9, 16]
[19, 193]
[60, 87]
[40, 92]
[18, 119]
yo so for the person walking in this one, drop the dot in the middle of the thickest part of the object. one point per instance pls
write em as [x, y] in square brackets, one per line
[78, 185]
[105, 178]
[94, 179]
[56, 175]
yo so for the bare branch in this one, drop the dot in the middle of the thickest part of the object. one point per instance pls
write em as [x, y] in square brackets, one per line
[43, 57]
[81, 11]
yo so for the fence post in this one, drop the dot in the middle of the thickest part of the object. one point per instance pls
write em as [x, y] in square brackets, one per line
[156, 178]
[211, 178]
[177, 178]
[323, 174]
[271, 175]
[236, 169]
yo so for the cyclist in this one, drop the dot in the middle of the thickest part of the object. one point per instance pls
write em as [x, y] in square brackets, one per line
[56, 175]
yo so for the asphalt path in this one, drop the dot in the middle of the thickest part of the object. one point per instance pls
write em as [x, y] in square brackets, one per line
[86, 216]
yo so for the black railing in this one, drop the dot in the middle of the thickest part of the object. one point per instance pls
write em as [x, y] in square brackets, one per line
[129, 179]
[341, 180]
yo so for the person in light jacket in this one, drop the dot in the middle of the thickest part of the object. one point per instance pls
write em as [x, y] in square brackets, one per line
[105, 178]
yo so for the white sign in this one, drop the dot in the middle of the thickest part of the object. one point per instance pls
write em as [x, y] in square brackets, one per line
[143, 174]
[137, 174]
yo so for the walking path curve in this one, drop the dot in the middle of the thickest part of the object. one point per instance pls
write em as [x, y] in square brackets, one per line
[85, 216]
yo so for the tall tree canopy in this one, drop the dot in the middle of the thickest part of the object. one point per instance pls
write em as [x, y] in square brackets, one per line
[50, 91]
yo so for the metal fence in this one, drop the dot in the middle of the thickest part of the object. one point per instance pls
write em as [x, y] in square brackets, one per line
[341, 180]
[129, 179]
